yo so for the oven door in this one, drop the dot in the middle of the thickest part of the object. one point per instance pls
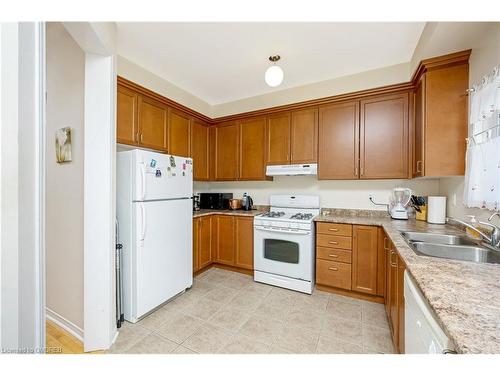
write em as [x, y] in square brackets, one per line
[285, 253]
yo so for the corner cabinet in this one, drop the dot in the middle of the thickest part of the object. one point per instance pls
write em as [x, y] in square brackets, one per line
[200, 150]
[441, 121]
[224, 139]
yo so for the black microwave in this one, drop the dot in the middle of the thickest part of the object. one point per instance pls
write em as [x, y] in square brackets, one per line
[215, 201]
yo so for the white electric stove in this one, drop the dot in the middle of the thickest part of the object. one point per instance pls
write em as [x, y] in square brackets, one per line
[284, 242]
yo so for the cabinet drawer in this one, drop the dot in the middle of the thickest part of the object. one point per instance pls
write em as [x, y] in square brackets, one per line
[333, 274]
[334, 228]
[337, 242]
[336, 255]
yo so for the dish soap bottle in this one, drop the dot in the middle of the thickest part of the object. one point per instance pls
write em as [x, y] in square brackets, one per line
[470, 232]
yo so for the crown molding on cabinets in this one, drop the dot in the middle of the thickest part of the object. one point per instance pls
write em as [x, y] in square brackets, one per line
[440, 62]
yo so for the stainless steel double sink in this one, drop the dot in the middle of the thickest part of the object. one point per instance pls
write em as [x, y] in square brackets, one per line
[450, 246]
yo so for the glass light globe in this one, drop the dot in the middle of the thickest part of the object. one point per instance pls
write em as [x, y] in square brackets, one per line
[274, 76]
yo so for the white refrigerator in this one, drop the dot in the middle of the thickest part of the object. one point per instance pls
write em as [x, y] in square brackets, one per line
[154, 210]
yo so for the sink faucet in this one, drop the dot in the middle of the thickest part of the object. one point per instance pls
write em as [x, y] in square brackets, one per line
[493, 238]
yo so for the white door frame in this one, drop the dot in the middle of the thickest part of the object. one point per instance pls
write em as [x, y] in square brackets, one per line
[97, 40]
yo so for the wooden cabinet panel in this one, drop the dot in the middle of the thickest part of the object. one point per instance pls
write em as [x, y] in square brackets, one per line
[445, 121]
[384, 137]
[179, 129]
[401, 306]
[196, 244]
[153, 121]
[336, 242]
[334, 228]
[381, 262]
[418, 137]
[205, 241]
[337, 255]
[253, 149]
[364, 259]
[200, 151]
[126, 116]
[338, 154]
[393, 296]
[225, 240]
[304, 136]
[244, 242]
[226, 152]
[333, 274]
[278, 139]
[387, 291]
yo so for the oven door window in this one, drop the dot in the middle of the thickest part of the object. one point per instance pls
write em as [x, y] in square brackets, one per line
[281, 251]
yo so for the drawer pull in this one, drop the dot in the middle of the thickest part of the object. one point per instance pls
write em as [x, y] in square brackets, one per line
[333, 255]
[333, 268]
[333, 229]
[333, 242]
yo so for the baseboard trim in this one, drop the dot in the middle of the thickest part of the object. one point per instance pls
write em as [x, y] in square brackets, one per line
[350, 293]
[64, 323]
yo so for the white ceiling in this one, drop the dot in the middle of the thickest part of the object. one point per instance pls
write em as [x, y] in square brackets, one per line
[223, 62]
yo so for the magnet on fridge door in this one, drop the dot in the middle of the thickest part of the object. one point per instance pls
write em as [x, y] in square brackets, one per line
[158, 173]
[152, 163]
[172, 162]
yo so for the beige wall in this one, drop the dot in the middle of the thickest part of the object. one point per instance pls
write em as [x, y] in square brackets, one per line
[145, 78]
[338, 194]
[64, 182]
[485, 55]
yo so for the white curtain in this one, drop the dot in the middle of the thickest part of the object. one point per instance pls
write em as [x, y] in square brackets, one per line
[482, 174]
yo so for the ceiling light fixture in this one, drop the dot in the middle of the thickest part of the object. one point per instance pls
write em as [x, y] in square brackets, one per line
[274, 74]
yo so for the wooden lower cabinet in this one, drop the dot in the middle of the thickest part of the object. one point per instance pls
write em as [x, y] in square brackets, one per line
[394, 297]
[334, 274]
[243, 242]
[223, 239]
[364, 259]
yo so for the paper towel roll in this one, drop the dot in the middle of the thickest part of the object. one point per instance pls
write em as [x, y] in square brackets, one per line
[436, 210]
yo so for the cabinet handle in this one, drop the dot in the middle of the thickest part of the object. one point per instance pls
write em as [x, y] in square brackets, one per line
[333, 242]
[140, 137]
[333, 268]
[356, 171]
[333, 255]
[333, 229]
[393, 264]
[362, 171]
[419, 165]
[385, 244]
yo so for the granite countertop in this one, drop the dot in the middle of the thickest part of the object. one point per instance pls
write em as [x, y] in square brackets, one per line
[251, 213]
[464, 295]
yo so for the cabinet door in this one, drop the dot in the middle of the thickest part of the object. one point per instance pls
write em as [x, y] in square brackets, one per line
[196, 244]
[304, 137]
[339, 141]
[381, 263]
[205, 239]
[226, 146]
[179, 129]
[384, 137]
[401, 306]
[253, 149]
[244, 242]
[393, 306]
[200, 151]
[225, 240]
[278, 139]
[418, 137]
[387, 290]
[153, 122]
[364, 259]
[126, 116]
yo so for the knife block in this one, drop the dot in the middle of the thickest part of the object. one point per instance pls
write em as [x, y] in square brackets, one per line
[421, 215]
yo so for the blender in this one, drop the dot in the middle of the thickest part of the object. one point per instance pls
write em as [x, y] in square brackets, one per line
[399, 200]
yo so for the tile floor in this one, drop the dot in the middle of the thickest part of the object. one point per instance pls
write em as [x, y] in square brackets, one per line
[227, 312]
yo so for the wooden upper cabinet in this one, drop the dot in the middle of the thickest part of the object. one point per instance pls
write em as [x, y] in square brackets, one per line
[252, 149]
[418, 137]
[153, 124]
[225, 239]
[126, 116]
[200, 151]
[338, 154]
[304, 136]
[226, 151]
[278, 139]
[365, 259]
[244, 242]
[384, 137]
[179, 129]
[441, 122]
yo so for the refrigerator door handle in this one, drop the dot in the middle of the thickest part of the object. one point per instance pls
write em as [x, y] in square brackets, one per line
[143, 223]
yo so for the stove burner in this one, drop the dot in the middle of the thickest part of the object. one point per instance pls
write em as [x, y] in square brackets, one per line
[273, 214]
[301, 216]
